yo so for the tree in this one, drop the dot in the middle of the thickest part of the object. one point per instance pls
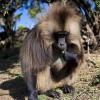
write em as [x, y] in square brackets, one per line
[7, 10]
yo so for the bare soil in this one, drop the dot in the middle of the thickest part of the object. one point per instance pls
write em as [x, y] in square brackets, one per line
[12, 86]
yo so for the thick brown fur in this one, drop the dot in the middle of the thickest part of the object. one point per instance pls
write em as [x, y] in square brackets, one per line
[37, 55]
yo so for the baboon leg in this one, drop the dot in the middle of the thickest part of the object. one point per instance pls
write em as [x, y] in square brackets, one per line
[52, 93]
[31, 83]
[67, 89]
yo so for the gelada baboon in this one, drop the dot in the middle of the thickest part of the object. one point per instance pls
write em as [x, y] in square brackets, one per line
[52, 51]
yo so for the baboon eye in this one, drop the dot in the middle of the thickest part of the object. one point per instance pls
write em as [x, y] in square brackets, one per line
[57, 36]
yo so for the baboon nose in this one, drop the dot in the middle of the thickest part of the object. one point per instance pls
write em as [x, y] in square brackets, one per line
[61, 44]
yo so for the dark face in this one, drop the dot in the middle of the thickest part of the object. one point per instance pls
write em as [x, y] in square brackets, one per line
[60, 40]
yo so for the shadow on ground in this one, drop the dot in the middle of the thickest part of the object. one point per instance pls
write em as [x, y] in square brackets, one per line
[16, 88]
[8, 58]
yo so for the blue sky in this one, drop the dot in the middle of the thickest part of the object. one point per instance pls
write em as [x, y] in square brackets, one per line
[25, 19]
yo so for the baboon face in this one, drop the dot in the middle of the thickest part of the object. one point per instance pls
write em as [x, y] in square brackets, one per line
[60, 40]
[57, 40]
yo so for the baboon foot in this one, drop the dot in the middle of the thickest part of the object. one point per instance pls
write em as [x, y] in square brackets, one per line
[53, 94]
[67, 89]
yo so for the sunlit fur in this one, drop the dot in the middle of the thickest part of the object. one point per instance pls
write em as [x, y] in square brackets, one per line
[37, 54]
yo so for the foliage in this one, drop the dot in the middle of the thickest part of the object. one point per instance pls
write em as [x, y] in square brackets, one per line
[8, 18]
[17, 17]
[98, 3]
[10, 5]
[21, 27]
[33, 12]
[42, 97]
[97, 10]
[8, 8]
[96, 80]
